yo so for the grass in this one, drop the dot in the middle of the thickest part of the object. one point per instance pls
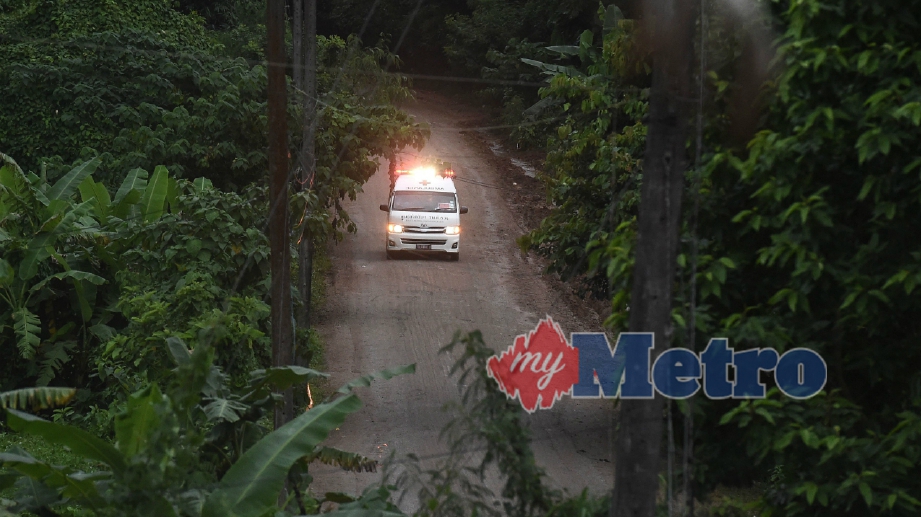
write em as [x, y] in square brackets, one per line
[731, 501]
[48, 453]
[321, 267]
[42, 450]
[722, 502]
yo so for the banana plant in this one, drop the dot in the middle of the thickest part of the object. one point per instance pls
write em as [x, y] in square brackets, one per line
[42, 230]
[35, 217]
[162, 464]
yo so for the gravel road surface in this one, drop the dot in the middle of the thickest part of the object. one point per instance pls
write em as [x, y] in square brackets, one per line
[383, 313]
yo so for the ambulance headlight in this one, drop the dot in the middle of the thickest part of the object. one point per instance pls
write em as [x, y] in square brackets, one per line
[452, 230]
[395, 228]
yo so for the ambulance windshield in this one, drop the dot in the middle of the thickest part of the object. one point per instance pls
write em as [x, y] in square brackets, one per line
[424, 202]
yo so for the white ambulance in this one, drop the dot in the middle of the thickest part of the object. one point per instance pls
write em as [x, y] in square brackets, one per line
[423, 213]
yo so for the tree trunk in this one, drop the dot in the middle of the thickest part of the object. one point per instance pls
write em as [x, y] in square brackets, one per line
[639, 440]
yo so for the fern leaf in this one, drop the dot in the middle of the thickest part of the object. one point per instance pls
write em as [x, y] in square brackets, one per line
[26, 326]
[53, 360]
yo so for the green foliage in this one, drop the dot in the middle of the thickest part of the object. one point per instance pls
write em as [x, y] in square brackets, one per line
[814, 217]
[24, 21]
[71, 71]
[497, 41]
[593, 161]
[359, 123]
[197, 110]
[514, 61]
[253, 482]
[489, 419]
[245, 36]
[177, 279]
[486, 420]
[221, 14]
[166, 462]
[858, 472]
[145, 264]
[808, 238]
[346, 460]
[152, 249]
[494, 24]
[374, 502]
[197, 115]
[49, 239]
[91, 287]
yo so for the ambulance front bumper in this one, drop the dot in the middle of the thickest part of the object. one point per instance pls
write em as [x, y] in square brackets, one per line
[423, 242]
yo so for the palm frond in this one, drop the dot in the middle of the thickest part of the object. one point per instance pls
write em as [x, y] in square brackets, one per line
[347, 460]
[36, 398]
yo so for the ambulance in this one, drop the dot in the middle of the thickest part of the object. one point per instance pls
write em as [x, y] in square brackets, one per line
[423, 214]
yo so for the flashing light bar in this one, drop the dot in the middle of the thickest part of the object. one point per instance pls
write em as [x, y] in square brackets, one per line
[426, 171]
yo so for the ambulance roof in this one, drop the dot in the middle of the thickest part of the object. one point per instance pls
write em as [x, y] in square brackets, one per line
[414, 183]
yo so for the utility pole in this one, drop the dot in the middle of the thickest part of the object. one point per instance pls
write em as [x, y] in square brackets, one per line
[282, 334]
[639, 439]
[308, 152]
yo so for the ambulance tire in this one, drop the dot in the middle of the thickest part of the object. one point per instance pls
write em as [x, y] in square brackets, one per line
[389, 254]
[455, 257]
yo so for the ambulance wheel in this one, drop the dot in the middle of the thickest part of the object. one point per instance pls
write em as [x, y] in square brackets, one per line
[389, 254]
[455, 257]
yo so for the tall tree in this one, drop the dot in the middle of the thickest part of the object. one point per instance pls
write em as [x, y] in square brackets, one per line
[669, 25]
[668, 34]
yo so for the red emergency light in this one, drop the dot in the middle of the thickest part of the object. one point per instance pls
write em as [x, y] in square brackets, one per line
[427, 170]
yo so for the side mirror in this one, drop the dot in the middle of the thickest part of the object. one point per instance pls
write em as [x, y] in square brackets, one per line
[463, 210]
[385, 208]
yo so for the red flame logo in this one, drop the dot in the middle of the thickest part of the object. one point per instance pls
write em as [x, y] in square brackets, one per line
[538, 369]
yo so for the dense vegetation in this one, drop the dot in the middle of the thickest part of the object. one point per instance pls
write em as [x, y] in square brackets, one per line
[134, 135]
[808, 235]
[194, 113]
[139, 131]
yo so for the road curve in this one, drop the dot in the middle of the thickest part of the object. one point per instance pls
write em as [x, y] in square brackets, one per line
[383, 313]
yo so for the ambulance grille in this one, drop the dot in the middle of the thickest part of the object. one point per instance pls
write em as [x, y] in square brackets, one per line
[419, 229]
[437, 242]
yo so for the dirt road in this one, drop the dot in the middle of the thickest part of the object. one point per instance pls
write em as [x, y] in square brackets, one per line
[384, 313]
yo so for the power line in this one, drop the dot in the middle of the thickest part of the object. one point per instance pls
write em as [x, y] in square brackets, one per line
[205, 55]
[478, 80]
